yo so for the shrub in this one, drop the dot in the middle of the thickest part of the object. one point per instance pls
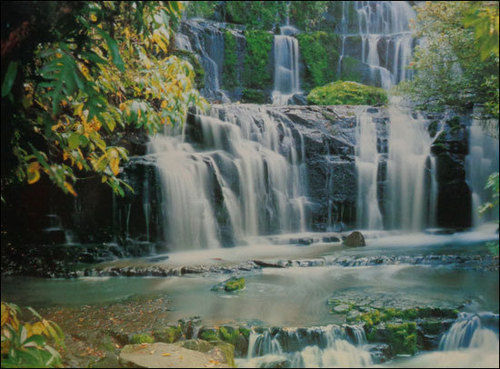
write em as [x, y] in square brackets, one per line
[347, 93]
[141, 338]
[229, 75]
[26, 344]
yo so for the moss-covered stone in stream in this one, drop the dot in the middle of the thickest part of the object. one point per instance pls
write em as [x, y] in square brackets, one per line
[229, 73]
[236, 336]
[231, 285]
[347, 93]
[169, 334]
[141, 338]
[318, 51]
[257, 74]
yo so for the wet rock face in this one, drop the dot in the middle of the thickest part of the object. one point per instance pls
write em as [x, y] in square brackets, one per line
[450, 148]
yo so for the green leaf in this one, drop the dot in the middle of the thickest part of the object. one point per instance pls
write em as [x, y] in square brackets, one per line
[73, 141]
[113, 48]
[10, 77]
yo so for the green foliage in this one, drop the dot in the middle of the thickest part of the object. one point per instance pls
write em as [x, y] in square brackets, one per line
[26, 345]
[250, 95]
[457, 66]
[229, 73]
[308, 15]
[141, 338]
[320, 55]
[262, 15]
[102, 68]
[347, 93]
[492, 184]
[402, 338]
[350, 69]
[201, 9]
[256, 74]
[199, 72]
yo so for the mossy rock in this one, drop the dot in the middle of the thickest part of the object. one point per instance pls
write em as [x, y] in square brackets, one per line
[250, 95]
[231, 285]
[204, 346]
[141, 338]
[229, 73]
[168, 335]
[347, 93]
[209, 334]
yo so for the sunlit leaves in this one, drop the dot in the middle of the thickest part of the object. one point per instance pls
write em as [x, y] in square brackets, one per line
[25, 344]
[83, 93]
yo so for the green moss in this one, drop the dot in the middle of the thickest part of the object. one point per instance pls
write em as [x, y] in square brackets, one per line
[168, 335]
[347, 93]
[245, 332]
[402, 338]
[228, 351]
[234, 284]
[256, 74]
[350, 69]
[141, 338]
[199, 78]
[432, 128]
[209, 335]
[250, 95]
[319, 53]
[229, 75]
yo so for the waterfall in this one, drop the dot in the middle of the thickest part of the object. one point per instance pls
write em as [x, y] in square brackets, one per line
[409, 168]
[383, 27]
[469, 332]
[480, 163]
[328, 346]
[367, 160]
[244, 176]
[286, 66]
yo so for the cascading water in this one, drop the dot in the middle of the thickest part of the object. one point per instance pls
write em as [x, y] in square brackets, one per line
[329, 346]
[245, 178]
[286, 66]
[367, 161]
[480, 163]
[386, 40]
[411, 182]
[410, 190]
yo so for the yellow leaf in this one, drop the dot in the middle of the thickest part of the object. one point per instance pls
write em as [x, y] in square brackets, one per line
[38, 328]
[114, 161]
[164, 104]
[93, 18]
[33, 172]
[166, 354]
[70, 189]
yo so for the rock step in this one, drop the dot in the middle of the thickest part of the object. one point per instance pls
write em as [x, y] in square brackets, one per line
[164, 355]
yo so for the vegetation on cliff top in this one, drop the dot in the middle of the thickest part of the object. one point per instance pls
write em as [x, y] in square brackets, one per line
[347, 93]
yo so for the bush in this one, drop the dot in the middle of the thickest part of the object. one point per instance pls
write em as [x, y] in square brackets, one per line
[347, 93]
[25, 344]
[250, 95]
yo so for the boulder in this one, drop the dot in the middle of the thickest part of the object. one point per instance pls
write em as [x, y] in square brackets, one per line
[162, 355]
[355, 239]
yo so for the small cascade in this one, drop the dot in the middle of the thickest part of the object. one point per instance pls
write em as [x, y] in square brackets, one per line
[244, 176]
[383, 27]
[480, 163]
[286, 66]
[411, 183]
[328, 346]
[468, 331]
[367, 161]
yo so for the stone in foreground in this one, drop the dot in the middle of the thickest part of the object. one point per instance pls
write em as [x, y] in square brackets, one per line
[355, 239]
[163, 355]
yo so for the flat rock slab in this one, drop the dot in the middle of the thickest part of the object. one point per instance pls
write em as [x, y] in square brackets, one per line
[163, 355]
